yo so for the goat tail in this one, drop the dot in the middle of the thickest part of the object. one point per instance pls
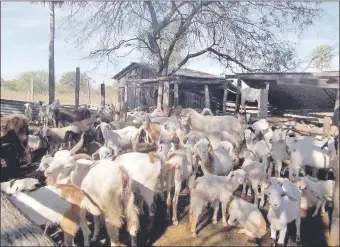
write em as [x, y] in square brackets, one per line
[78, 145]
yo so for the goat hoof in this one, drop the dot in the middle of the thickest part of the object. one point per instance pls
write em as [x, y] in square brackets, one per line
[313, 215]
[175, 222]
[214, 222]
[194, 234]
[224, 223]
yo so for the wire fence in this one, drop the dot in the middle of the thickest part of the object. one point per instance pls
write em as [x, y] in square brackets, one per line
[66, 96]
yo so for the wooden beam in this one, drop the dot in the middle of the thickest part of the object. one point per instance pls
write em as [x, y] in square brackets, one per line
[263, 104]
[102, 95]
[224, 102]
[206, 95]
[77, 87]
[32, 90]
[238, 96]
[18, 230]
[150, 80]
[176, 94]
[125, 93]
[336, 110]
[166, 96]
[160, 95]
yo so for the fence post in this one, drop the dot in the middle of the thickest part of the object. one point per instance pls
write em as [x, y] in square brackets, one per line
[32, 90]
[166, 94]
[102, 94]
[238, 96]
[77, 87]
[89, 91]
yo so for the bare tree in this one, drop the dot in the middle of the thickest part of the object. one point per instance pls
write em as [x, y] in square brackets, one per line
[239, 34]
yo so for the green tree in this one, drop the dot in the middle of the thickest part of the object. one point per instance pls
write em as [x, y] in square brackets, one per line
[23, 82]
[322, 56]
[68, 79]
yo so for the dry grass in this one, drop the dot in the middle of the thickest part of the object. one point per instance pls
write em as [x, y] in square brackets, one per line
[65, 99]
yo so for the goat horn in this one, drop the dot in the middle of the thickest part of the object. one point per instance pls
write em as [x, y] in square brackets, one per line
[78, 145]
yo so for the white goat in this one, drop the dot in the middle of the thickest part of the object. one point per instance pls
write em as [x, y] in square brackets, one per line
[248, 216]
[256, 175]
[113, 195]
[199, 122]
[147, 174]
[125, 138]
[213, 189]
[180, 167]
[103, 153]
[316, 193]
[17, 185]
[64, 205]
[284, 208]
[306, 150]
[251, 95]
[218, 161]
[28, 111]
[215, 138]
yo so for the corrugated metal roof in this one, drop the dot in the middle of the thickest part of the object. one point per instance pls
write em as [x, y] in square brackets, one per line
[180, 72]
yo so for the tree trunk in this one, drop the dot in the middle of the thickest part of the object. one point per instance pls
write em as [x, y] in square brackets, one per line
[51, 78]
[17, 230]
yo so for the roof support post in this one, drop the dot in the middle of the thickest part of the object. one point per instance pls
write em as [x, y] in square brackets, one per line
[102, 95]
[176, 94]
[160, 95]
[238, 96]
[207, 98]
[125, 93]
[225, 96]
[263, 109]
[336, 110]
[166, 96]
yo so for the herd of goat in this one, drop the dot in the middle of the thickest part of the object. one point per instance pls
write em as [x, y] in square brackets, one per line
[93, 165]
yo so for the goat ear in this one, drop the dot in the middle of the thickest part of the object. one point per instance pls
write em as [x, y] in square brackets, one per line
[185, 140]
[324, 145]
[231, 175]
[11, 182]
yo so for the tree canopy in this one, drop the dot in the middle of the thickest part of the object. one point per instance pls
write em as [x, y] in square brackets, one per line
[68, 79]
[239, 34]
[322, 56]
[23, 82]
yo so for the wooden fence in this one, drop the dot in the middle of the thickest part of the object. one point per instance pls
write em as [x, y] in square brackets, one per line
[17, 106]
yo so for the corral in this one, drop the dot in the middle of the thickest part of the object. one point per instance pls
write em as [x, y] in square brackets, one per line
[209, 234]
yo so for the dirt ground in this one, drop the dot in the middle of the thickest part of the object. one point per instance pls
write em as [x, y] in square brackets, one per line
[313, 230]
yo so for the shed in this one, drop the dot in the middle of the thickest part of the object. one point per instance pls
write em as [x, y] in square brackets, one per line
[188, 88]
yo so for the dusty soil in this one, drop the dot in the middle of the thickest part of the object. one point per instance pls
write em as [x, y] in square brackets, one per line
[313, 230]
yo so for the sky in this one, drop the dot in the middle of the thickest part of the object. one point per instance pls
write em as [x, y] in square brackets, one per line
[25, 35]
